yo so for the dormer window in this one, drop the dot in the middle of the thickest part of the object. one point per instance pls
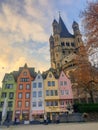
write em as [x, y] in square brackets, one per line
[24, 73]
[62, 75]
[38, 77]
[50, 75]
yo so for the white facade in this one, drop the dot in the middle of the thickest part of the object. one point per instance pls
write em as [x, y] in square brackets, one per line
[37, 95]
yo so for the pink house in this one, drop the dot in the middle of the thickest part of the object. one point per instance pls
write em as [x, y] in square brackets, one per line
[65, 92]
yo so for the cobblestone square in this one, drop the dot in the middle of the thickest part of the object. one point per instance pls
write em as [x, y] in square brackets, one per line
[62, 126]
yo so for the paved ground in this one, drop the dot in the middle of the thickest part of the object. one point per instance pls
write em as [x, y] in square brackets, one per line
[64, 126]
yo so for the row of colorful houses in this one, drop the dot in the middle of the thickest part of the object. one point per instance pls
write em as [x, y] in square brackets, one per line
[32, 95]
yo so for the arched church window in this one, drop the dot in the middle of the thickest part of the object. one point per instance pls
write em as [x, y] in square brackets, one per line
[67, 44]
[72, 44]
[62, 44]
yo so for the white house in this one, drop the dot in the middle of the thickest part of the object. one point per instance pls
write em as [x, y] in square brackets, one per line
[37, 98]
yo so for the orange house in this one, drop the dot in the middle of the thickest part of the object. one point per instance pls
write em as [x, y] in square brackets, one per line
[23, 93]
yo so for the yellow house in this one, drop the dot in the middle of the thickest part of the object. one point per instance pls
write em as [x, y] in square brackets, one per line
[51, 96]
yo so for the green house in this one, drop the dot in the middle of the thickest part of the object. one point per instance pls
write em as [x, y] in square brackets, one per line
[8, 91]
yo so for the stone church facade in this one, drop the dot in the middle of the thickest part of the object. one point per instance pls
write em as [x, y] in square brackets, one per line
[64, 46]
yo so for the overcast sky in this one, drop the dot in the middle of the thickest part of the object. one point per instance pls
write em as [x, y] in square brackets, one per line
[25, 28]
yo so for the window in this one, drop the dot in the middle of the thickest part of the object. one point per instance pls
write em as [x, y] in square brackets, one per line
[47, 92]
[55, 103]
[11, 95]
[20, 86]
[39, 85]
[62, 92]
[53, 83]
[34, 104]
[72, 44]
[10, 103]
[47, 103]
[28, 86]
[10, 78]
[56, 92]
[38, 77]
[40, 103]
[1, 104]
[24, 80]
[24, 73]
[4, 95]
[62, 44]
[19, 95]
[52, 103]
[51, 92]
[61, 83]
[49, 83]
[40, 94]
[50, 75]
[61, 102]
[9, 86]
[67, 44]
[65, 83]
[34, 94]
[27, 95]
[62, 75]
[63, 51]
[66, 92]
[19, 104]
[26, 104]
[34, 85]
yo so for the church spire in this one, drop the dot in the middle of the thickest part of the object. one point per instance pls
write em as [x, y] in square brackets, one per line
[63, 30]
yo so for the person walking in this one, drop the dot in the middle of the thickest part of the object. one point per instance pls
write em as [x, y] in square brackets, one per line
[45, 119]
[15, 120]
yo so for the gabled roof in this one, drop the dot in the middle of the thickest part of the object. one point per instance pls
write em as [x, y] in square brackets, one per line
[63, 30]
[14, 73]
[54, 72]
[31, 70]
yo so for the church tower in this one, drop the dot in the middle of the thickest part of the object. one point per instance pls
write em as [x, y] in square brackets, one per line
[64, 46]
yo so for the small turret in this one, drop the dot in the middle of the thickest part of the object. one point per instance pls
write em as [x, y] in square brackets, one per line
[75, 27]
[55, 27]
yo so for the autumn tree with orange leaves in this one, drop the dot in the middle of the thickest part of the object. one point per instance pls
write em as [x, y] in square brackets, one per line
[84, 78]
[90, 22]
